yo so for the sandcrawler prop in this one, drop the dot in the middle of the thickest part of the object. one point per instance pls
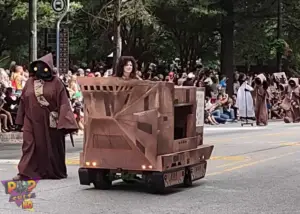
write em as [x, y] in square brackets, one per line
[141, 131]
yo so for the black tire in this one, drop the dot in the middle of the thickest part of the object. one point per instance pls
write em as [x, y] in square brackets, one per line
[154, 183]
[128, 181]
[188, 182]
[102, 180]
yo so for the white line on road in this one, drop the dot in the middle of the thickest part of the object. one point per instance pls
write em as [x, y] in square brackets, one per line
[9, 161]
[233, 128]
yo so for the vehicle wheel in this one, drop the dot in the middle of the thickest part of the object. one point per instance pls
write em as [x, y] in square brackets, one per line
[154, 183]
[128, 181]
[242, 125]
[102, 180]
[188, 182]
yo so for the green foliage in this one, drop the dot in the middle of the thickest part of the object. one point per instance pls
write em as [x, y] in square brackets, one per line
[154, 30]
[46, 16]
[278, 46]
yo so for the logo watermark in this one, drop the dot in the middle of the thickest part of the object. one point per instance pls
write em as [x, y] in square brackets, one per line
[21, 192]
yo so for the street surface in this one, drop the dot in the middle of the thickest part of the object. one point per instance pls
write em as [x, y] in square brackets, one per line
[252, 170]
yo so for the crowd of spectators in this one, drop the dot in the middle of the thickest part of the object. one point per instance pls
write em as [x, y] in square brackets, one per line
[220, 108]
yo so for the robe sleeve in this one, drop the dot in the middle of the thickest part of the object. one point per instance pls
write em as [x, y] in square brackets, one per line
[248, 87]
[66, 119]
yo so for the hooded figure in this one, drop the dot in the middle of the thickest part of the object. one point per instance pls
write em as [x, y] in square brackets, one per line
[46, 117]
[260, 101]
[282, 90]
[244, 101]
[291, 101]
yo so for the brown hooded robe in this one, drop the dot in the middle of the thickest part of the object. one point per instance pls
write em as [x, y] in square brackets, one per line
[44, 147]
[261, 96]
[291, 102]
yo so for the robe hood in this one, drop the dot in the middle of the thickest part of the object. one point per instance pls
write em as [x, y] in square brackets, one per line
[283, 87]
[47, 59]
[295, 80]
[261, 77]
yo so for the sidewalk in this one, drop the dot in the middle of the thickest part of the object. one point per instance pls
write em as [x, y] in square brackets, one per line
[17, 137]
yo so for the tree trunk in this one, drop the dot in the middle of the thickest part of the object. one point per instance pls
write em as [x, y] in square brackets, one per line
[117, 34]
[227, 37]
[33, 30]
[279, 29]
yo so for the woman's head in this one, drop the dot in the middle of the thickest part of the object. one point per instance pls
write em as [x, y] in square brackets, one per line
[19, 69]
[126, 67]
[73, 78]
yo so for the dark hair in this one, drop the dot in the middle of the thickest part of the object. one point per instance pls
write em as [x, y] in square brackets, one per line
[123, 60]
[146, 75]
[8, 91]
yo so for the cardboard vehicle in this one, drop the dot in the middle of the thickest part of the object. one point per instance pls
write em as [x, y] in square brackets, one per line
[140, 128]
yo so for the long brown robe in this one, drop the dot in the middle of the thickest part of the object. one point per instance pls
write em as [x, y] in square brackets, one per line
[291, 102]
[261, 96]
[44, 147]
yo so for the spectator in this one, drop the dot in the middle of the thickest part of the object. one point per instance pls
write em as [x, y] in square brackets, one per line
[74, 88]
[190, 80]
[11, 103]
[223, 81]
[4, 79]
[17, 79]
[182, 79]
[3, 118]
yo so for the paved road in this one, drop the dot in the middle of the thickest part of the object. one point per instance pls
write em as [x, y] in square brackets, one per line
[252, 170]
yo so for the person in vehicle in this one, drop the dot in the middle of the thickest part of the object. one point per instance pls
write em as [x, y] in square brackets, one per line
[127, 68]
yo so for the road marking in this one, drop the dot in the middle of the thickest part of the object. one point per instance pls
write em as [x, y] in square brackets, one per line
[250, 164]
[8, 161]
[234, 128]
[224, 139]
[290, 144]
[16, 161]
[72, 162]
[234, 163]
[229, 158]
[73, 158]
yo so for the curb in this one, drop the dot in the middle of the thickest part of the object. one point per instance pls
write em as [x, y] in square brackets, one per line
[17, 138]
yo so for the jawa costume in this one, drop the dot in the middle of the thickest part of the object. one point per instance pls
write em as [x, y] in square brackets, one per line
[46, 116]
[291, 101]
[261, 96]
[282, 90]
